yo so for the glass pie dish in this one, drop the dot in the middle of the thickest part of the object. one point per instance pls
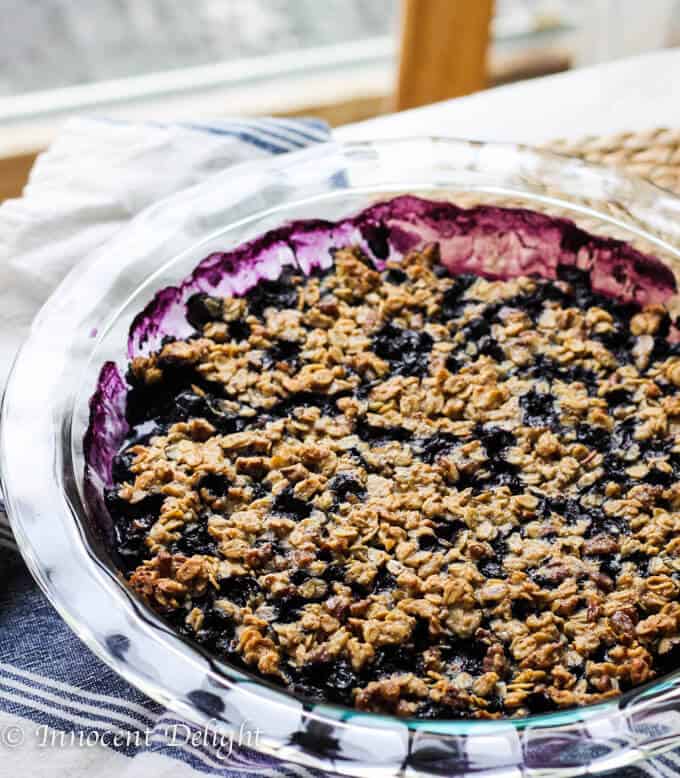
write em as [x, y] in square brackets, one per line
[58, 521]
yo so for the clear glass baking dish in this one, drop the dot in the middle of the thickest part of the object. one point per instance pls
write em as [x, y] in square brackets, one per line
[86, 322]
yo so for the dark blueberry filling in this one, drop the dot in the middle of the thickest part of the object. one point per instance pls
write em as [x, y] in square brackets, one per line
[239, 330]
[437, 710]
[325, 681]
[407, 351]
[282, 351]
[476, 329]
[539, 409]
[377, 236]
[288, 607]
[427, 542]
[217, 631]
[492, 567]
[545, 578]
[287, 504]
[619, 342]
[395, 276]
[448, 529]
[601, 524]
[299, 576]
[239, 589]
[466, 655]
[451, 301]
[326, 403]
[533, 303]
[641, 562]
[189, 405]
[120, 467]
[454, 363]
[490, 347]
[195, 539]
[593, 437]
[609, 565]
[130, 541]
[342, 679]
[499, 473]
[569, 509]
[549, 370]
[658, 477]
[333, 572]
[541, 702]
[615, 470]
[522, 608]
[148, 507]
[392, 659]
[496, 440]
[669, 661]
[279, 294]
[217, 485]
[618, 396]
[439, 445]
[380, 436]
[345, 484]
[202, 309]
[384, 581]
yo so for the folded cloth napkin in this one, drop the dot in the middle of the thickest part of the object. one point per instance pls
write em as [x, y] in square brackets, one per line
[59, 705]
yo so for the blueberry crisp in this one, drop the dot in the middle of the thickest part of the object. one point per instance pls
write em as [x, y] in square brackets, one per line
[409, 492]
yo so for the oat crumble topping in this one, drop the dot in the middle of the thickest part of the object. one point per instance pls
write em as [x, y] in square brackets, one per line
[412, 493]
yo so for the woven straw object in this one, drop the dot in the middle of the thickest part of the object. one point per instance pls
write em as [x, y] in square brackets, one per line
[653, 154]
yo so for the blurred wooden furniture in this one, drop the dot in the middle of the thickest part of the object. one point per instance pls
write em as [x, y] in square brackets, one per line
[444, 46]
[14, 171]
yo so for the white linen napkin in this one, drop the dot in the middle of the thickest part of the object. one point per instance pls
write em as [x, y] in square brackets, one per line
[94, 178]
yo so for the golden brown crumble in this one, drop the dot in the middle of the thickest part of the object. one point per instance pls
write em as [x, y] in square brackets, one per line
[412, 493]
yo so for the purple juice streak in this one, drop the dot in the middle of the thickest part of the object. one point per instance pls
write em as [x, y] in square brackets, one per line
[486, 240]
[107, 418]
[105, 433]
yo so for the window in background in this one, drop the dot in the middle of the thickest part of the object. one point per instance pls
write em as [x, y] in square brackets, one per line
[59, 56]
[165, 58]
[59, 43]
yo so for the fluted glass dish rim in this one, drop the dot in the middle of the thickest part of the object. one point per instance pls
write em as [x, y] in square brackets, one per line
[44, 491]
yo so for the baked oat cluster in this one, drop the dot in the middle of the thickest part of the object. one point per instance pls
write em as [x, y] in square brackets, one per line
[412, 493]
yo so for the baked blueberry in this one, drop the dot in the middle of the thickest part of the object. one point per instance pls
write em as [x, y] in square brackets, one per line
[538, 409]
[202, 309]
[395, 276]
[282, 351]
[195, 539]
[440, 444]
[278, 294]
[287, 504]
[448, 529]
[239, 588]
[451, 301]
[407, 351]
[345, 484]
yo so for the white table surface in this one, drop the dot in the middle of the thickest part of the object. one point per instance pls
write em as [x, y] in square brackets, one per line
[632, 94]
